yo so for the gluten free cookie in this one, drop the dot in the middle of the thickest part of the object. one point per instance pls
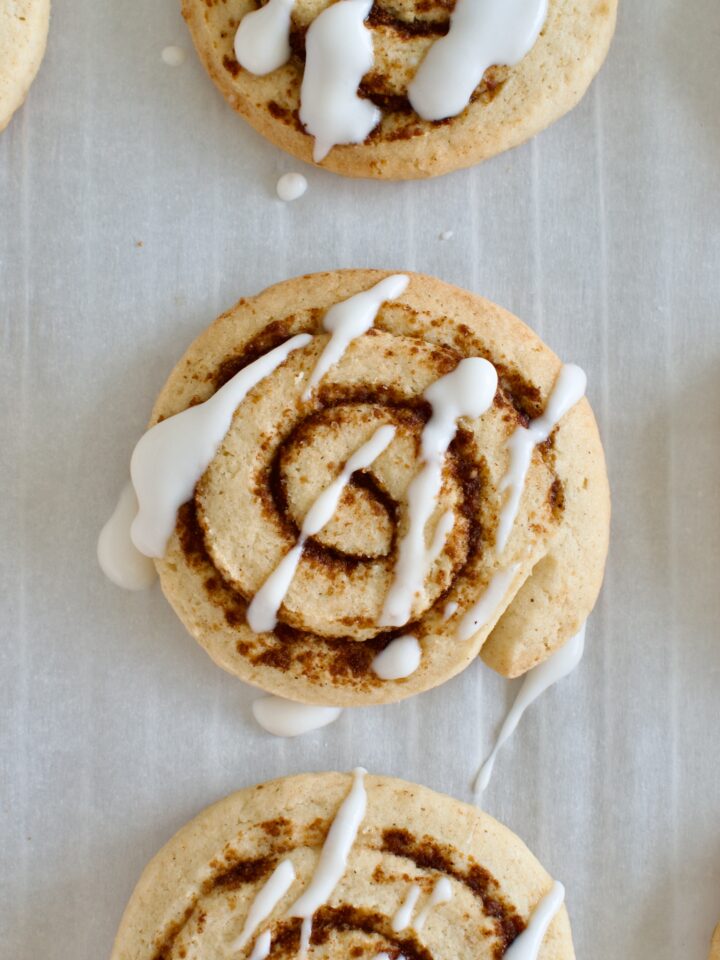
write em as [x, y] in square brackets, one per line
[401, 89]
[330, 866]
[357, 481]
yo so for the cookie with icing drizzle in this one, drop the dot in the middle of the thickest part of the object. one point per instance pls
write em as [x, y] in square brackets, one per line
[334, 865]
[355, 482]
[400, 89]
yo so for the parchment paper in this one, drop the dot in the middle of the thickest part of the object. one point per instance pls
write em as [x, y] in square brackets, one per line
[134, 207]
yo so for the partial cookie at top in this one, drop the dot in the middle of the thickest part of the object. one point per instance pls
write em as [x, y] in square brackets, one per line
[23, 36]
[510, 105]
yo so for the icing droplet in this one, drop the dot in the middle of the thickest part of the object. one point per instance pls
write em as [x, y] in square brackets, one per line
[263, 610]
[172, 456]
[335, 851]
[568, 390]
[291, 186]
[262, 41]
[339, 52]
[442, 893]
[350, 319]
[285, 718]
[173, 56]
[527, 945]
[483, 611]
[119, 558]
[399, 659]
[535, 683]
[467, 391]
[267, 898]
[447, 235]
[404, 913]
[482, 33]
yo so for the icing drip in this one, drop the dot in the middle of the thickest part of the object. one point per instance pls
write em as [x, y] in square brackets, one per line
[171, 457]
[285, 718]
[261, 950]
[173, 56]
[262, 41]
[527, 945]
[442, 893]
[268, 897]
[404, 912]
[335, 851]
[350, 319]
[339, 52]
[291, 186]
[467, 391]
[482, 612]
[450, 610]
[536, 682]
[119, 558]
[568, 390]
[399, 659]
[263, 610]
[482, 33]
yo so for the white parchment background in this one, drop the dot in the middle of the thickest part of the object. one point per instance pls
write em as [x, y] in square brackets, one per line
[603, 234]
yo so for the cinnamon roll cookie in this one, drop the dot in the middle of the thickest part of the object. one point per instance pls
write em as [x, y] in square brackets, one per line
[23, 36]
[334, 866]
[357, 481]
[400, 89]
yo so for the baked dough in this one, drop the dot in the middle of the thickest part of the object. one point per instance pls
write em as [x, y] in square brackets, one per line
[511, 104]
[193, 898]
[23, 36]
[281, 451]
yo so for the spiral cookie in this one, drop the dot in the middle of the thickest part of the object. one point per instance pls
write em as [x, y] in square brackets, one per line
[23, 35]
[375, 477]
[330, 866]
[401, 89]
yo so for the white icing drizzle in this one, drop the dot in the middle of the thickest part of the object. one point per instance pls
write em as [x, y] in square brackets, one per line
[172, 456]
[568, 390]
[482, 33]
[263, 610]
[536, 682]
[335, 851]
[450, 610]
[286, 718]
[400, 658]
[267, 898]
[262, 41]
[527, 945]
[261, 949]
[339, 52]
[305, 934]
[350, 319]
[467, 391]
[119, 558]
[442, 532]
[291, 186]
[442, 893]
[482, 612]
[404, 913]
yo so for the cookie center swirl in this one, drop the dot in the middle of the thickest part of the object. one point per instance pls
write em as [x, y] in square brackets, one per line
[274, 465]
